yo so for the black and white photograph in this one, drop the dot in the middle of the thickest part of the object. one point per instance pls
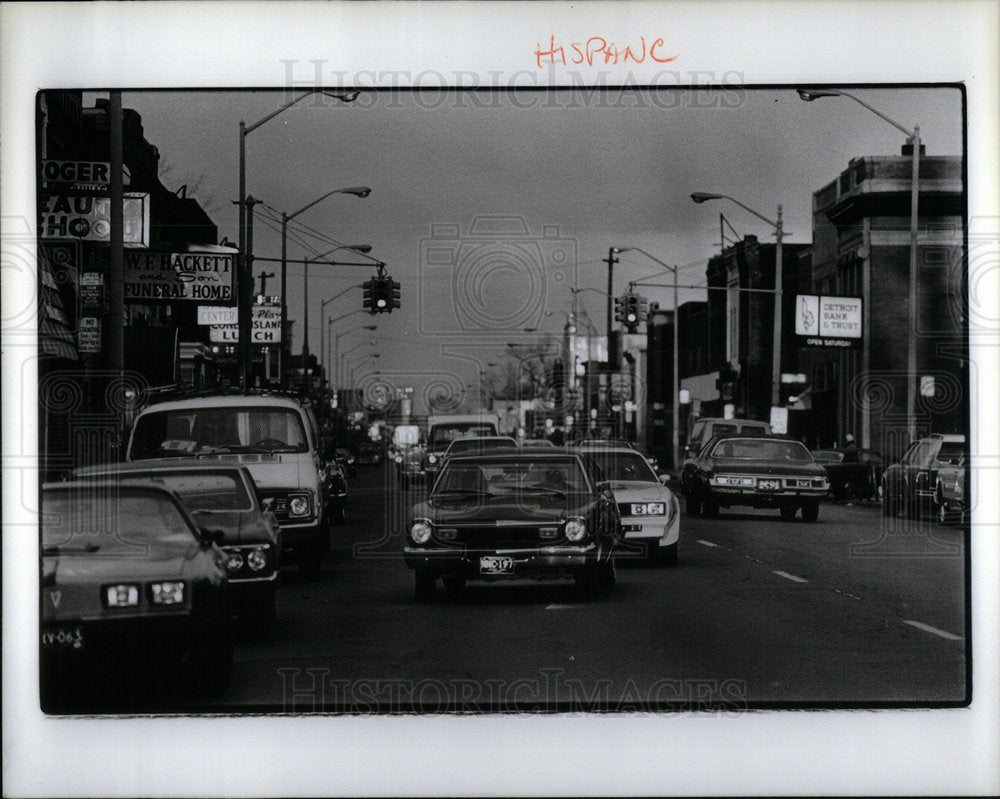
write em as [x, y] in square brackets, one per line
[431, 393]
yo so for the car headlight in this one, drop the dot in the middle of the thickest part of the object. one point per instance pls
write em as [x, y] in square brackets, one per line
[420, 532]
[298, 506]
[257, 560]
[167, 593]
[576, 530]
[234, 562]
[397, 458]
[124, 595]
[432, 459]
[648, 509]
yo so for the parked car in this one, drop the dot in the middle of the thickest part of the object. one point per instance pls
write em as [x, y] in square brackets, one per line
[220, 497]
[514, 515]
[851, 476]
[346, 461]
[276, 437]
[369, 453]
[650, 513]
[761, 472]
[950, 502]
[909, 486]
[130, 585]
[712, 427]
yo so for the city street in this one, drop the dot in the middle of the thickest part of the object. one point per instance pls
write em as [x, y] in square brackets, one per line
[758, 612]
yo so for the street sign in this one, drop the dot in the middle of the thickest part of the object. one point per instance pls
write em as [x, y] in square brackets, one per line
[927, 385]
[199, 276]
[89, 335]
[779, 419]
[91, 293]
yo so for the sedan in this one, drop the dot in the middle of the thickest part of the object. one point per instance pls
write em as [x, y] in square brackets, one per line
[851, 475]
[221, 497]
[762, 472]
[129, 583]
[517, 515]
[909, 486]
[650, 512]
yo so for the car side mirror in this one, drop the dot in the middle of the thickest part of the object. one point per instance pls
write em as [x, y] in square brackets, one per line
[267, 504]
[666, 479]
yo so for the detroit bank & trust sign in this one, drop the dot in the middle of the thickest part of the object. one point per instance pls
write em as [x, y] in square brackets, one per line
[822, 321]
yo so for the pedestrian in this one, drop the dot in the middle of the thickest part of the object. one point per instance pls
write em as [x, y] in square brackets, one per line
[850, 449]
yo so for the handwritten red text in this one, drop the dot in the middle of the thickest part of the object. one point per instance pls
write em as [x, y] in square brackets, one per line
[600, 50]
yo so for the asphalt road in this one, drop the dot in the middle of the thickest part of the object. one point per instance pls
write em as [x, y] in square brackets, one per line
[758, 613]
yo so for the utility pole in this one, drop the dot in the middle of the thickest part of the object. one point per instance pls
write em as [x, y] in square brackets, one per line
[263, 282]
[611, 261]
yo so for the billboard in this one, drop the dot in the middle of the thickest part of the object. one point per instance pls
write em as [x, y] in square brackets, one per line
[266, 324]
[824, 321]
[198, 276]
[88, 218]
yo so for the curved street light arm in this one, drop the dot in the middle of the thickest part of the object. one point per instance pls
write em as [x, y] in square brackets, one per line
[346, 97]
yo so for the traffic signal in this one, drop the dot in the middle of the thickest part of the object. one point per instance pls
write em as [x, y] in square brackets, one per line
[619, 309]
[394, 295]
[368, 295]
[382, 294]
[631, 312]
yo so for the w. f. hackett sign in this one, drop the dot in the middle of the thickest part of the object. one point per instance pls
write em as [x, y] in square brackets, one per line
[179, 276]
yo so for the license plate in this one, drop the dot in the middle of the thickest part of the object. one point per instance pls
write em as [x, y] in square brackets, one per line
[496, 565]
[63, 638]
[768, 485]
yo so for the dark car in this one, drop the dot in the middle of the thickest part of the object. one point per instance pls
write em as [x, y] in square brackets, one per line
[479, 445]
[851, 474]
[221, 497]
[760, 471]
[129, 584]
[908, 486]
[369, 453]
[520, 515]
[346, 461]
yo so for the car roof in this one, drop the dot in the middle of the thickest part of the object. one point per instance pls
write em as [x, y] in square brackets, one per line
[541, 453]
[225, 401]
[162, 465]
[951, 438]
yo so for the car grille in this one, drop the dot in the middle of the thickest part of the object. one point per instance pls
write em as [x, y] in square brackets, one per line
[491, 537]
[279, 504]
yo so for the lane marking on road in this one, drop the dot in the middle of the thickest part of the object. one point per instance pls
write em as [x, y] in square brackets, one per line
[791, 577]
[560, 607]
[844, 593]
[933, 630]
[705, 543]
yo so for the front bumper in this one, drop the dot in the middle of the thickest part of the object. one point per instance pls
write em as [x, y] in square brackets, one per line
[538, 563]
[727, 496]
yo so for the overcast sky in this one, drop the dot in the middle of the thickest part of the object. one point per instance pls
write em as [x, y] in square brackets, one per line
[580, 172]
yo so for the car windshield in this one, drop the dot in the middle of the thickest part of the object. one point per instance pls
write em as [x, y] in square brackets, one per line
[617, 466]
[110, 518]
[444, 434]
[951, 451]
[200, 491]
[828, 456]
[511, 476]
[207, 430]
[761, 449]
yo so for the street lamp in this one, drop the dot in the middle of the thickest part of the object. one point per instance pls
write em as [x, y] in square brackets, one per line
[322, 316]
[361, 248]
[675, 381]
[779, 233]
[244, 278]
[334, 381]
[913, 136]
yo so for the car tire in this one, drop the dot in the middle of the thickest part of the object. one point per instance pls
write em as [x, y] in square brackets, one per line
[609, 574]
[709, 509]
[788, 512]
[590, 581]
[692, 505]
[667, 556]
[424, 585]
[339, 516]
[211, 665]
[810, 511]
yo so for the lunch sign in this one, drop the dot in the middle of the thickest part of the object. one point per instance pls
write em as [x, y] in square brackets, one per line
[822, 321]
[266, 323]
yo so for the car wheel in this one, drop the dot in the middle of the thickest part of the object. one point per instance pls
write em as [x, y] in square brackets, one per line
[211, 665]
[692, 505]
[709, 509]
[668, 555]
[454, 586]
[788, 512]
[888, 501]
[590, 580]
[609, 574]
[424, 585]
[339, 517]
[810, 511]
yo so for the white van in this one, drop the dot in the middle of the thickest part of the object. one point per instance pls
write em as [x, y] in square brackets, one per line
[276, 437]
